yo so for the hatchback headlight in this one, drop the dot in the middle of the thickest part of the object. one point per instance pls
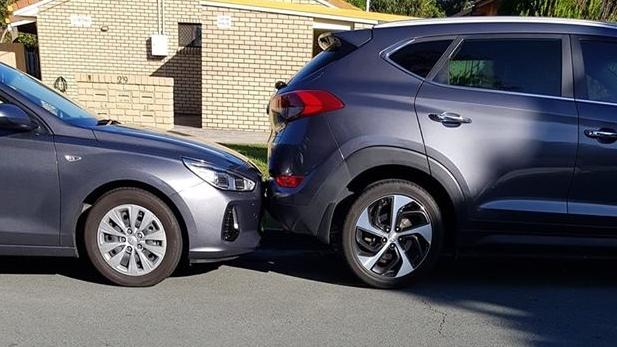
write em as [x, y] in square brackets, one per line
[218, 178]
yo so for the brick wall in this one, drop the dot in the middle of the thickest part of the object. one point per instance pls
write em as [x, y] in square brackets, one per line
[138, 100]
[225, 84]
[242, 63]
[185, 68]
[123, 48]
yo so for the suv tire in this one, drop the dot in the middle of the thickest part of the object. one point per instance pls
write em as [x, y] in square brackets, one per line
[374, 246]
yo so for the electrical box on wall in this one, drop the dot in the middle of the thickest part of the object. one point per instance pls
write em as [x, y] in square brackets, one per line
[159, 45]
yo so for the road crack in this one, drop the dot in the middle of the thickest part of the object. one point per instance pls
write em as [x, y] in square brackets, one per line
[444, 316]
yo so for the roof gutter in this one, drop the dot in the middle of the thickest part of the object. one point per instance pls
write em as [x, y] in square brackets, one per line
[325, 3]
[289, 12]
[30, 10]
[16, 21]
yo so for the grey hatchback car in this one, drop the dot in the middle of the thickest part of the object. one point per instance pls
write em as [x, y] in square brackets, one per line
[138, 202]
[411, 139]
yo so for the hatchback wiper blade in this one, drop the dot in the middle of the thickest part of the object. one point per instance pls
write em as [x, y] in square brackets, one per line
[107, 122]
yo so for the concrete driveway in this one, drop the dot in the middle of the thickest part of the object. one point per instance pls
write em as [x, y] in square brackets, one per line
[293, 292]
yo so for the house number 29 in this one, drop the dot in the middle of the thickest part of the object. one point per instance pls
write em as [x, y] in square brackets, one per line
[123, 80]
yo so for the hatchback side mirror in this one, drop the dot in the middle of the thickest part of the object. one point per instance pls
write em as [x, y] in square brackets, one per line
[14, 118]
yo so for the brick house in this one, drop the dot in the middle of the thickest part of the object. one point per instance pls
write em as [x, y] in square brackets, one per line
[202, 63]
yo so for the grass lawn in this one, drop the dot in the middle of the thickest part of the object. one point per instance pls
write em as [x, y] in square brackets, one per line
[258, 154]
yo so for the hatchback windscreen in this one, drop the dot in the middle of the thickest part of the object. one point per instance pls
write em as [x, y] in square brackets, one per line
[43, 96]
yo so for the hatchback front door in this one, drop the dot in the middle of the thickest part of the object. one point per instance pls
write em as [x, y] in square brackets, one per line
[29, 188]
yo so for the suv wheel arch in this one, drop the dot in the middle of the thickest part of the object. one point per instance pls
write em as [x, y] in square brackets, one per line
[377, 163]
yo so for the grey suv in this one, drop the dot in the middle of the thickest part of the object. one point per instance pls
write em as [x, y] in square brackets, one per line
[138, 202]
[413, 138]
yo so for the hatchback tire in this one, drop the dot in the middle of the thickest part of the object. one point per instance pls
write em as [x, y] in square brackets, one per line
[133, 238]
[387, 254]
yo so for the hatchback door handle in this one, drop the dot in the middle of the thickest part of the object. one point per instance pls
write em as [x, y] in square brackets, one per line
[602, 134]
[449, 118]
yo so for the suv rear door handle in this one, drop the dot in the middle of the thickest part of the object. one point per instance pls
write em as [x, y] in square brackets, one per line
[602, 134]
[449, 118]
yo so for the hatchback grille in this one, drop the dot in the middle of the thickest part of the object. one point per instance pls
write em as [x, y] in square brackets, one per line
[231, 229]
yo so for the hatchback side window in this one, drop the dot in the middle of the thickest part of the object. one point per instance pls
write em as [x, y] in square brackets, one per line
[419, 58]
[600, 61]
[531, 66]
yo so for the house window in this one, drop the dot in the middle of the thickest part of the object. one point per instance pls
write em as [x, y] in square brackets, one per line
[189, 35]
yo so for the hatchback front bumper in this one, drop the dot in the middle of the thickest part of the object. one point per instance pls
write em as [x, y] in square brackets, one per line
[205, 212]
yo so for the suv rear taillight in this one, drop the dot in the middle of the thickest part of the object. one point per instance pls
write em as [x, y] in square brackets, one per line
[298, 104]
[288, 181]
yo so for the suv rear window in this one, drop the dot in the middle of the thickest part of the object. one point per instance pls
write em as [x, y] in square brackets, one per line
[419, 58]
[600, 70]
[517, 65]
[324, 58]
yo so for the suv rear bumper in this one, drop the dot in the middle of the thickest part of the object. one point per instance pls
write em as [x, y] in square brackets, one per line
[306, 147]
[309, 208]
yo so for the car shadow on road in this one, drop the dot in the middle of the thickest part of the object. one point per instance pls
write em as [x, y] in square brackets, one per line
[68, 267]
[552, 301]
[78, 269]
[299, 256]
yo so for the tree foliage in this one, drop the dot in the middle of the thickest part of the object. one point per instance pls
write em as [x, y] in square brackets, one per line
[3, 12]
[418, 8]
[585, 9]
[605, 10]
[451, 7]
[413, 8]
[27, 40]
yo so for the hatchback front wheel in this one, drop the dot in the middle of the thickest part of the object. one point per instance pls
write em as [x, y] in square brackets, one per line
[133, 238]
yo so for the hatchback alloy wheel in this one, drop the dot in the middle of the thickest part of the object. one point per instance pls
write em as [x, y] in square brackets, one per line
[132, 240]
[132, 237]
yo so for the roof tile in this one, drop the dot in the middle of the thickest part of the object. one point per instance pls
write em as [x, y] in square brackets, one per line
[17, 4]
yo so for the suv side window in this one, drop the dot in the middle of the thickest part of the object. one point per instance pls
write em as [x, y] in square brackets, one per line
[532, 66]
[600, 63]
[419, 58]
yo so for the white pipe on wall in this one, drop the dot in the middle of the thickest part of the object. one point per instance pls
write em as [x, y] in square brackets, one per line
[162, 16]
[158, 16]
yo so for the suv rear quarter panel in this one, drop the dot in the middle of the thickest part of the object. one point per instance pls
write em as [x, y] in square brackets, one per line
[378, 100]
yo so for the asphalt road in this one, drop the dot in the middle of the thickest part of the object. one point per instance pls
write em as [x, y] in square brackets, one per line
[292, 292]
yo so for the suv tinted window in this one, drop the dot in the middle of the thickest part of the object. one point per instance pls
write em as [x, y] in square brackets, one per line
[600, 60]
[322, 59]
[516, 65]
[419, 58]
